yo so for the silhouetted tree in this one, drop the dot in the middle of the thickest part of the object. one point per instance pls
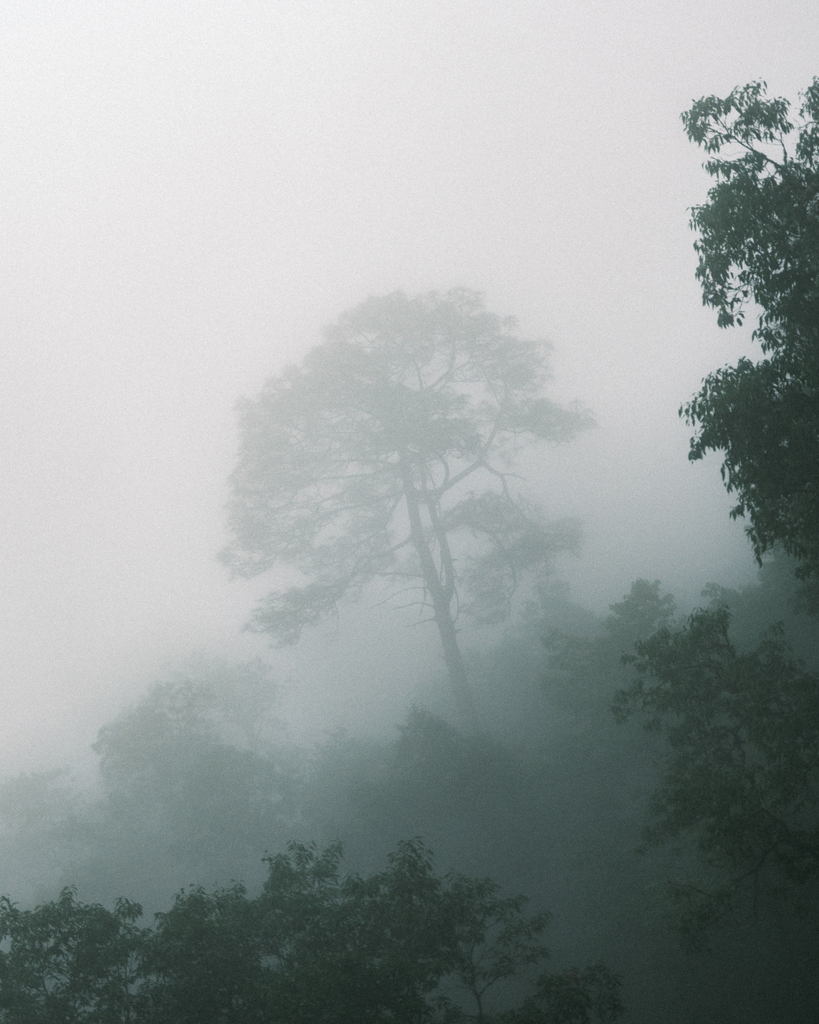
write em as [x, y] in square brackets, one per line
[393, 439]
[188, 785]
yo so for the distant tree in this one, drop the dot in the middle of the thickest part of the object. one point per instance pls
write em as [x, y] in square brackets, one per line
[594, 662]
[190, 786]
[393, 440]
[759, 242]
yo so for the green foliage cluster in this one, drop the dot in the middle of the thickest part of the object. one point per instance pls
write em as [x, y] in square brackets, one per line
[68, 961]
[740, 724]
[759, 241]
[398, 945]
[740, 775]
[733, 724]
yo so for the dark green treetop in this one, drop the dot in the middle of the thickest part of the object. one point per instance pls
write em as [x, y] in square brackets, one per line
[69, 961]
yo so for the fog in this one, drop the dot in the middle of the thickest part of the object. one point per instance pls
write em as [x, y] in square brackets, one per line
[191, 193]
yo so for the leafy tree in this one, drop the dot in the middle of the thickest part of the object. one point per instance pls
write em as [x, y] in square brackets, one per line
[759, 241]
[740, 723]
[67, 961]
[742, 763]
[203, 961]
[355, 948]
[349, 948]
[391, 444]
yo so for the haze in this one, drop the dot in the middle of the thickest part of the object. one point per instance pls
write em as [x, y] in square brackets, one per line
[191, 192]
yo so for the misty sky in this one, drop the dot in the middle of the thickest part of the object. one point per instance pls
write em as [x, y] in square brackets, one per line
[191, 191]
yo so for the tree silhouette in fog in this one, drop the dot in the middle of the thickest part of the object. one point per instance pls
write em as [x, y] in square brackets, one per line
[388, 455]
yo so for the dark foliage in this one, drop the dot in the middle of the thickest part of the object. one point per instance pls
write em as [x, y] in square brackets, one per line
[314, 946]
[742, 729]
[759, 241]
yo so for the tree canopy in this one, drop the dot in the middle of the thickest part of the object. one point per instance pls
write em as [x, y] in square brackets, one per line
[741, 762]
[759, 243]
[730, 704]
[388, 455]
[403, 943]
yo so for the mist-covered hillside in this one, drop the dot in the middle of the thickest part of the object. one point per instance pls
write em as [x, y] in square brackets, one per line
[410, 450]
[197, 782]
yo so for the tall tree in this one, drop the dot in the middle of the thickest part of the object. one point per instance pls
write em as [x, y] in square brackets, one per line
[759, 241]
[393, 442]
[740, 720]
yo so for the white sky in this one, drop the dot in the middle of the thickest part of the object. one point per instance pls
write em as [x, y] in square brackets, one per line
[191, 190]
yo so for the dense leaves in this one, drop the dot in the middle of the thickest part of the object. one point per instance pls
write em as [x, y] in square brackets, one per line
[740, 775]
[314, 946]
[67, 961]
[759, 242]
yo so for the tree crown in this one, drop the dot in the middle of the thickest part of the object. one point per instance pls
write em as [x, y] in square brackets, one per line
[362, 462]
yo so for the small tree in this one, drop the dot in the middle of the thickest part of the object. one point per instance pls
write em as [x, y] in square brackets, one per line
[391, 443]
[494, 939]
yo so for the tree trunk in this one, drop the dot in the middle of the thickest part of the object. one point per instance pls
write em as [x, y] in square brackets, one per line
[455, 663]
[441, 605]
